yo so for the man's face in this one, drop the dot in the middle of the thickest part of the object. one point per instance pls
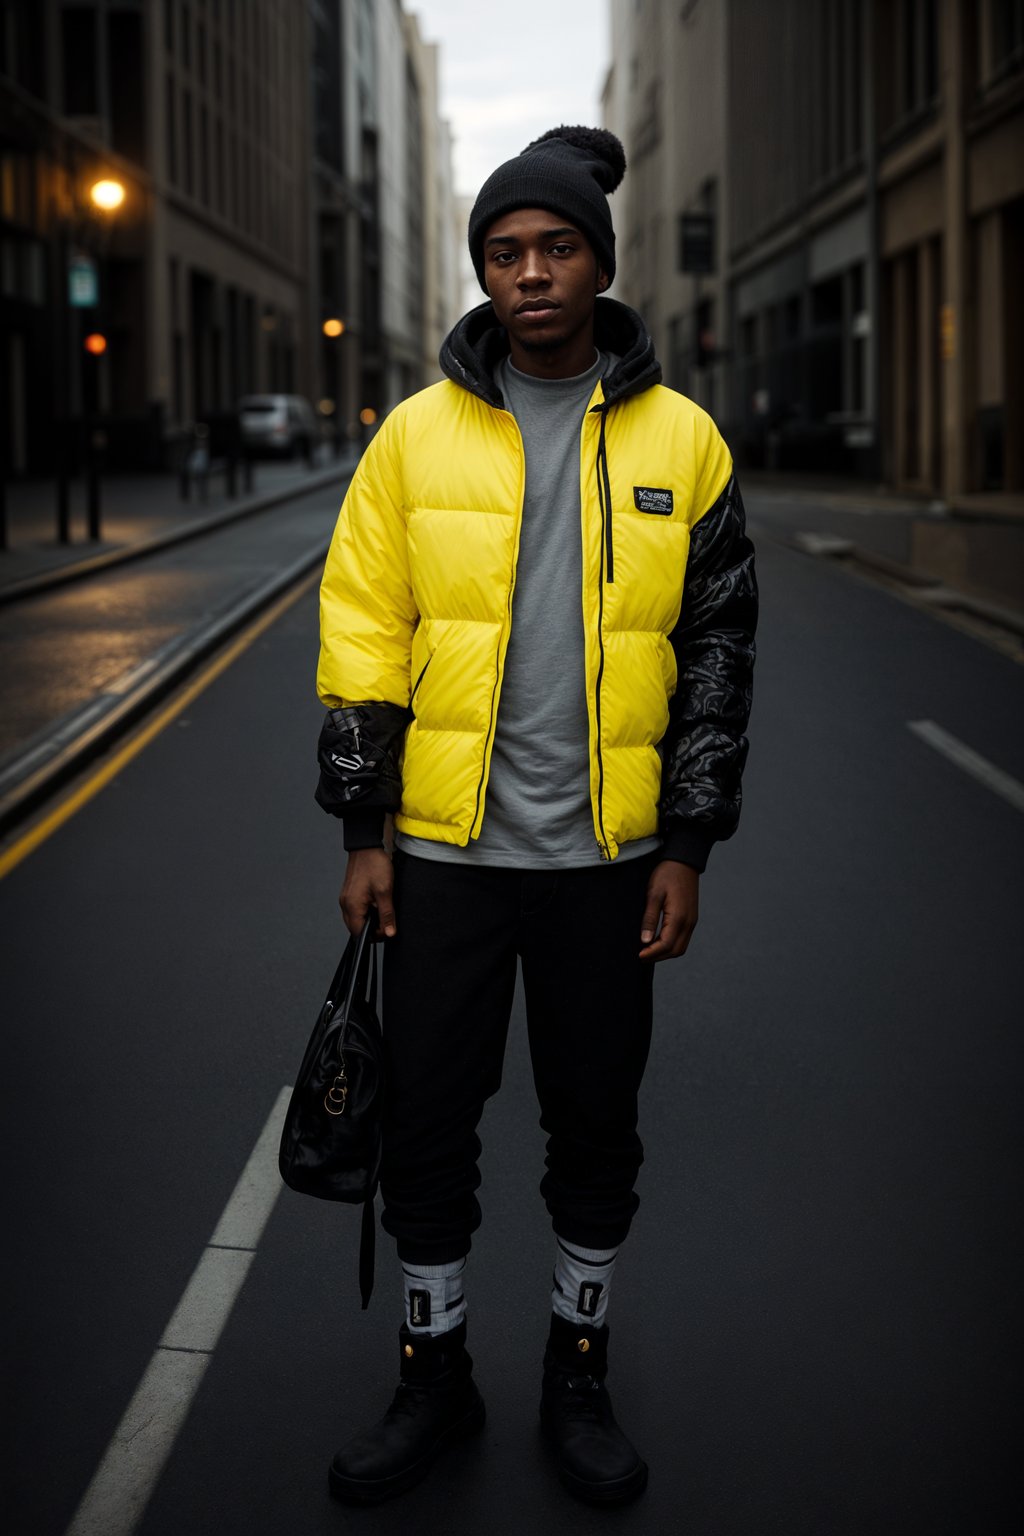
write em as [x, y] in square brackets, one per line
[542, 277]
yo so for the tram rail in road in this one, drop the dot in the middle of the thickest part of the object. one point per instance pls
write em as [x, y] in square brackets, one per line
[195, 587]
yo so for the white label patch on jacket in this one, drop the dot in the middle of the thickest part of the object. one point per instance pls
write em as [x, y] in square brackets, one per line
[647, 498]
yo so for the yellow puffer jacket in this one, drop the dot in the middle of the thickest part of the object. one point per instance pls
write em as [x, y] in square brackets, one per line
[416, 600]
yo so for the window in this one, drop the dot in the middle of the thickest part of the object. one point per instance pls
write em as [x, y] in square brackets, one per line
[204, 154]
[1007, 30]
[78, 49]
[186, 112]
[16, 188]
[827, 303]
[919, 54]
[127, 105]
[171, 132]
[1005, 51]
[221, 190]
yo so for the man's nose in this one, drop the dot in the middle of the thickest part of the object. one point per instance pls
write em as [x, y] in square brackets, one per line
[533, 269]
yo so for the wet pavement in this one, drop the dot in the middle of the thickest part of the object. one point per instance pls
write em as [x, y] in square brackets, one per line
[60, 648]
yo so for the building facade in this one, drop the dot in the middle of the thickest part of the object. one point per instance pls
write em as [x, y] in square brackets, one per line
[860, 165]
[440, 259]
[665, 97]
[279, 165]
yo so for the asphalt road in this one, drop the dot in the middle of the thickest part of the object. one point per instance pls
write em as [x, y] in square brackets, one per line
[815, 1324]
[61, 648]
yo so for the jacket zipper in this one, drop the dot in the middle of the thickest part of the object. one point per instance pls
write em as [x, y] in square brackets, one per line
[603, 840]
[508, 619]
[604, 497]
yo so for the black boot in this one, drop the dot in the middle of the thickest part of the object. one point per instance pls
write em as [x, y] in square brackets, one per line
[595, 1460]
[435, 1405]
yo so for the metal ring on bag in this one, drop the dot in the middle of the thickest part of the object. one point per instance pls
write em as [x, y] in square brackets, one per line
[338, 1091]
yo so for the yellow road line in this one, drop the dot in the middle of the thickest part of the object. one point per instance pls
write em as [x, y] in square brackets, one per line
[56, 818]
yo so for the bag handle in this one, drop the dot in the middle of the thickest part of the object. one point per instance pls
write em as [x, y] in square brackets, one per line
[351, 968]
[359, 942]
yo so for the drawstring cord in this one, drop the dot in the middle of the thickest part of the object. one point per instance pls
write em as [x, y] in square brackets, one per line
[604, 496]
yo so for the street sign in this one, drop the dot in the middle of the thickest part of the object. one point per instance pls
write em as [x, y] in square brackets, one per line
[696, 242]
[83, 283]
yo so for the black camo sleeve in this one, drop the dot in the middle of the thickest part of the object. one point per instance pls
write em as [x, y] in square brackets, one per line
[705, 748]
[359, 754]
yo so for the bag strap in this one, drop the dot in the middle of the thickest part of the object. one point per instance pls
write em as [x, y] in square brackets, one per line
[360, 950]
[367, 1251]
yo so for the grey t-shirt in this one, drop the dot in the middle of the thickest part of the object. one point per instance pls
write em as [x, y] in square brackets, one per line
[537, 812]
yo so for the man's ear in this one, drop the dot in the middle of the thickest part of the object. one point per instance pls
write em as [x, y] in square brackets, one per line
[602, 280]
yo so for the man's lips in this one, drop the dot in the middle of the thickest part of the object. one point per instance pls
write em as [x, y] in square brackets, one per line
[535, 309]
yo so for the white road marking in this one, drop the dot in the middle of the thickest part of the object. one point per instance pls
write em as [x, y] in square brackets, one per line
[115, 1500]
[970, 761]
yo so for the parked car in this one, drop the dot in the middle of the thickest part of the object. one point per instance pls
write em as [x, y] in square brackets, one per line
[278, 424]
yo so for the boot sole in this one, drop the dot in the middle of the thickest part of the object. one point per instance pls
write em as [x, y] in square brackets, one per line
[622, 1491]
[351, 1491]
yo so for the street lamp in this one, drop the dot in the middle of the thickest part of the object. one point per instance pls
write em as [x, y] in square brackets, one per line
[107, 195]
[333, 328]
[77, 289]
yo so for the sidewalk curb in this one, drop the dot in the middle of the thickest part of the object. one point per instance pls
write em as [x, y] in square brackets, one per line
[62, 750]
[928, 589]
[46, 581]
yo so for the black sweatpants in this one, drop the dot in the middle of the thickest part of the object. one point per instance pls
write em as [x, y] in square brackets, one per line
[449, 977]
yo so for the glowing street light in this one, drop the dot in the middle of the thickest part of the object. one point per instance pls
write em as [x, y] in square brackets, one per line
[95, 343]
[333, 327]
[108, 195]
[367, 415]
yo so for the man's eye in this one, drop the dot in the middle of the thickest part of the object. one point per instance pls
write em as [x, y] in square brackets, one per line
[562, 249]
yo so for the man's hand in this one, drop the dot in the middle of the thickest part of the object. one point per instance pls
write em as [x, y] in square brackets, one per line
[369, 882]
[672, 896]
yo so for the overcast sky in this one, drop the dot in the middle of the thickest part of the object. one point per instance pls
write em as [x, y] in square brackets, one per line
[508, 73]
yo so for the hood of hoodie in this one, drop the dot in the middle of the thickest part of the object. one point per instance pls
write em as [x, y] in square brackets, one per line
[473, 349]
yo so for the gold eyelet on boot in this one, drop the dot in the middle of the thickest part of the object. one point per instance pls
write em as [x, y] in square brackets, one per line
[409, 1351]
[583, 1345]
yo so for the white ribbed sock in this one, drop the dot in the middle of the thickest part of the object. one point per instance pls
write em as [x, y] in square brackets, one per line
[581, 1282]
[434, 1299]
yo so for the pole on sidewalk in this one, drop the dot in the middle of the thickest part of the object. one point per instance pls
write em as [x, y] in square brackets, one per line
[63, 483]
[97, 443]
[3, 484]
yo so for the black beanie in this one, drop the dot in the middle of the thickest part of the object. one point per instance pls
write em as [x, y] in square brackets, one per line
[568, 170]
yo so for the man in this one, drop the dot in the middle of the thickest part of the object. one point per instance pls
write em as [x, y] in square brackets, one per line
[513, 667]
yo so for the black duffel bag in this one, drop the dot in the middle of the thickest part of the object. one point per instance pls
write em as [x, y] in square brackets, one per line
[331, 1141]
